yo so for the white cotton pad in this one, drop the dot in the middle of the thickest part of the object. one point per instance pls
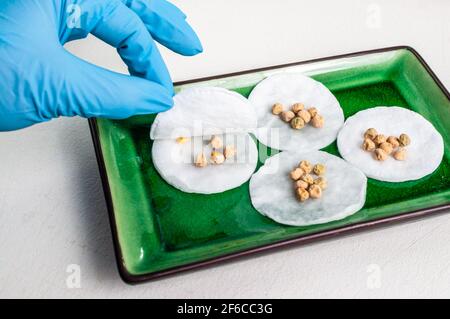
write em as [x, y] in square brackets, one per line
[424, 154]
[288, 89]
[204, 111]
[175, 163]
[273, 194]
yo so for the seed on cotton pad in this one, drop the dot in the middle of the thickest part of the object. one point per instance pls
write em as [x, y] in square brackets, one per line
[277, 108]
[201, 161]
[319, 169]
[302, 194]
[216, 142]
[370, 133]
[305, 116]
[287, 116]
[297, 107]
[400, 154]
[297, 123]
[404, 140]
[318, 121]
[306, 166]
[368, 145]
[296, 173]
[229, 151]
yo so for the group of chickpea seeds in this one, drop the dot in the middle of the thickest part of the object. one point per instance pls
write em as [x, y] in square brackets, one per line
[306, 186]
[218, 155]
[383, 146]
[298, 116]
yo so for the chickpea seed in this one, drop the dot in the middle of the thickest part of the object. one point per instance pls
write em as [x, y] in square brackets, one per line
[301, 184]
[368, 145]
[393, 141]
[297, 123]
[287, 116]
[217, 158]
[387, 147]
[308, 179]
[380, 155]
[277, 108]
[312, 111]
[306, 166]
[400, 154]
[322, 182]
[305, 116]
[229, 151]
[216, 142]
[201, 161]
[371, 133]
[296, 173]
[315, 191]
[404, 140]
[297, 107]
[302, 194]
[319, 169]
[317, 121]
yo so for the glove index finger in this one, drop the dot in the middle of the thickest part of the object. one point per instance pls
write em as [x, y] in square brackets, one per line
[167, 24]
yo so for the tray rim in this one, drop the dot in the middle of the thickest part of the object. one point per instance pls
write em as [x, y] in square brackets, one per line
[129, 278]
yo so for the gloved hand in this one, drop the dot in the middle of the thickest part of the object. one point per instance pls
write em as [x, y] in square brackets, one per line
[40, 80]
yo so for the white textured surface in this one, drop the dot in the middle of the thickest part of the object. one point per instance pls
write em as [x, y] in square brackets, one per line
[423, 155]
[288, 89]
[205, 111]
[175, 163]
[52, 210]
[272, 190]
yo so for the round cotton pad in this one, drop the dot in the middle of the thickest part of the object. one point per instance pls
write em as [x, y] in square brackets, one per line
[204, 111]
[424, 154]
[288, 89]
[273, 195]
[175, 163]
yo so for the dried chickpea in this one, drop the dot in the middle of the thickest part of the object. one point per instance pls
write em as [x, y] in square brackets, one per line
[368, 145]
[322, 182]
[315, 191]
[305, 116]
[302, 194]
[217, 157]
[297, 123]
[393, 141]
[301, 184]
[387, 147]
[287, 116]
[182, 140]
[306, 166]
[317, 121]
[216, 142]
[296, 173]
[201, 161]
[319, 169]
[312, 111]
[371, 133]
[277, 108]
[297, 107]
[308, 179]
[380, 138]
[380, 155]
[404, 140]
[229, 151]
[400, 154]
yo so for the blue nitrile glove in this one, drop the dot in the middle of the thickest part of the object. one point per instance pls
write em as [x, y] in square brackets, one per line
[40, 80]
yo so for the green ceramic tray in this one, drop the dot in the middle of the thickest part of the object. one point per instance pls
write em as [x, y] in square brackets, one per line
[159, 230]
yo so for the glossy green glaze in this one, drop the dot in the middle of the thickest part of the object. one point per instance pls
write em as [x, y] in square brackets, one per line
[160, 227]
